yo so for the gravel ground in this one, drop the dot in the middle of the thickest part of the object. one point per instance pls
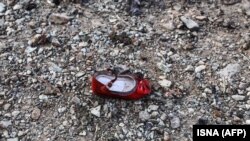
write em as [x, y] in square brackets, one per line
[196, 55]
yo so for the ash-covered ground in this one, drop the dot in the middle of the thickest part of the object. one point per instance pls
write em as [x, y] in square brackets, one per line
[196, 55]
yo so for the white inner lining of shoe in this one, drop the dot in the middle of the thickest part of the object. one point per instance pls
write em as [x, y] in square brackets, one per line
[123, 83]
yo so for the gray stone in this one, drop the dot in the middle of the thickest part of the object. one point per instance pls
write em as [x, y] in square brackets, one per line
[30, 49]
[1, 25]
[238, 97]
[37, 39]
[248, 89]
[11, 2]
[36, 113]
[166, 137]
[1, 103]
[243, 86]
[57, 18]
[190, 24]
[246, 7]
[55, 42]
[144, 115]
[76, 100]
[169, 25]
[15, 113]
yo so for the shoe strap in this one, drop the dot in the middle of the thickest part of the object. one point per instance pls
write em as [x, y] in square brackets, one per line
[117, 71]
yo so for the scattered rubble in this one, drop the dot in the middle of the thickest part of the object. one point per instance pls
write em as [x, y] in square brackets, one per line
[196, 57]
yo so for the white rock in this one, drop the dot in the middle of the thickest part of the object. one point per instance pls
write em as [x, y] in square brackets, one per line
[200, 68]
[247, 106]
[83, 133]
[15, 113]
[121, 124]
[229, 71]
[204, 95]
[208, 91]
[190, 110]
[189, 68]
[165, 83]
[80, 74]
[12, 139]
[190, 24]
[163, 117]
[83, 44]
[201, 17]
[6, 106]
[62, 109]
[54, 67]
[2, 7]
[29, 49]
[43, 97]
[153, 108]
[17, 6]
[20, 133]
[175, 122]
[96, 111]
[2, 93]
[164, 67]
[238, 97]
[50, 2]
[29, 59]
[248, 121]
[5, 124]
[28, 72]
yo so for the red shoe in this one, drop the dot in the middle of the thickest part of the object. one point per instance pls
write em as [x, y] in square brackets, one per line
[122, 85]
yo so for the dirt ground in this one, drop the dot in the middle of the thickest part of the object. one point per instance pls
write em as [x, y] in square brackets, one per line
[195, 53]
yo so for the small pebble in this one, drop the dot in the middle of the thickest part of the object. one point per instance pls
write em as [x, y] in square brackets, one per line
[200, 68]
[175, 122]
[238, 97]
[96, 111]
[36, 113]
